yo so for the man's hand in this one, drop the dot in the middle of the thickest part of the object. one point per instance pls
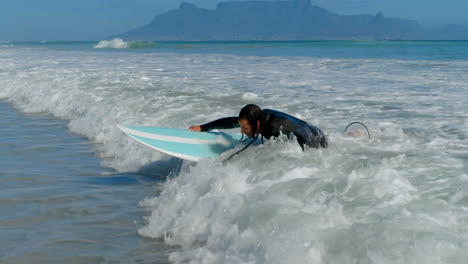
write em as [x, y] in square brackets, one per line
[195, 128]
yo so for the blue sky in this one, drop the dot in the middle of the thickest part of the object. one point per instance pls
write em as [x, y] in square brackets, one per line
[98, 19]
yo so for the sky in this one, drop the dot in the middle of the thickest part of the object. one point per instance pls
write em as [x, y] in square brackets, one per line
[68, 20]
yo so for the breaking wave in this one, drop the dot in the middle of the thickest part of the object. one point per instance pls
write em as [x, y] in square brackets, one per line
[118, 43]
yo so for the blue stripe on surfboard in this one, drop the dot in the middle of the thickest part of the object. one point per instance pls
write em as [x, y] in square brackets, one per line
[183, 133]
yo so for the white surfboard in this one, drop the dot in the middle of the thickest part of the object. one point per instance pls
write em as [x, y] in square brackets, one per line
[182, 143]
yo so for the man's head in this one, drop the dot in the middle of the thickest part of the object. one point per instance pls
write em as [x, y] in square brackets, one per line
[250, 118]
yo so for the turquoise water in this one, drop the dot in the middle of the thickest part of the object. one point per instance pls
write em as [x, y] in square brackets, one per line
[75, 189]
[411, 50]
[59, 205]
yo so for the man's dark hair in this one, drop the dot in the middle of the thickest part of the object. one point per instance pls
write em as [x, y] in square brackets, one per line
[252, 113]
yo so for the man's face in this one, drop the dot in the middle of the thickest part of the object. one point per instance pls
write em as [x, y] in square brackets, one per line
[246, 128]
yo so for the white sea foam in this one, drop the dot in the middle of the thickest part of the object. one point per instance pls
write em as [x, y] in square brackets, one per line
[113, 44]
[250, 97]
[118, 43]
[398, 197]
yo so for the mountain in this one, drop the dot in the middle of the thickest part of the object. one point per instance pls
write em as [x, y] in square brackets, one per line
[274, 20]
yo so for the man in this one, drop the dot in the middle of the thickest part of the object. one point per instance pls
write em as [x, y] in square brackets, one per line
[255, 122]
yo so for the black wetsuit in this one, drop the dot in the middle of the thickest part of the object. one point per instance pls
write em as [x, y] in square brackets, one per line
[275, 123]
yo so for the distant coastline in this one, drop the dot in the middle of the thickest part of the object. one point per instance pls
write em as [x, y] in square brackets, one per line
[294, 20]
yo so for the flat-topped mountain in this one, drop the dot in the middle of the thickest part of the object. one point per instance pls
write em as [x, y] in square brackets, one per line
[271, 20]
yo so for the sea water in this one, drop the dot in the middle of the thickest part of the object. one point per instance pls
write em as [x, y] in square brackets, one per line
[76, 189]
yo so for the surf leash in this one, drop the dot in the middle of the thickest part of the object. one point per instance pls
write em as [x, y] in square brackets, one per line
[248, 145]
[368, 133]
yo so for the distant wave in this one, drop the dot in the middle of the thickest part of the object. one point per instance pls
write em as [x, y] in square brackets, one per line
[118, 43]
[6, 44]
[113, 44]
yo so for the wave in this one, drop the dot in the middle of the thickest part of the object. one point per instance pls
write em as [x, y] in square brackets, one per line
[360, 200]
[118, 43]
[6, 44]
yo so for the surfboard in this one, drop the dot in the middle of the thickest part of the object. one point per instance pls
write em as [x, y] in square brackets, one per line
[182, 143]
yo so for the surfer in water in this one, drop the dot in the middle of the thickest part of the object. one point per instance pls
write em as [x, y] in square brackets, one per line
[266, 123]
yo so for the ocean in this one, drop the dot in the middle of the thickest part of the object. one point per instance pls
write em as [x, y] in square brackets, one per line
[75, 189]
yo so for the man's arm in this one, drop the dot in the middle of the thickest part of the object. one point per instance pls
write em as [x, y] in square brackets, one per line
[223, 123]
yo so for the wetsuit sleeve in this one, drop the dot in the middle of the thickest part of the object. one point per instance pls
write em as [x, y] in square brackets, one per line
[223, 123]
